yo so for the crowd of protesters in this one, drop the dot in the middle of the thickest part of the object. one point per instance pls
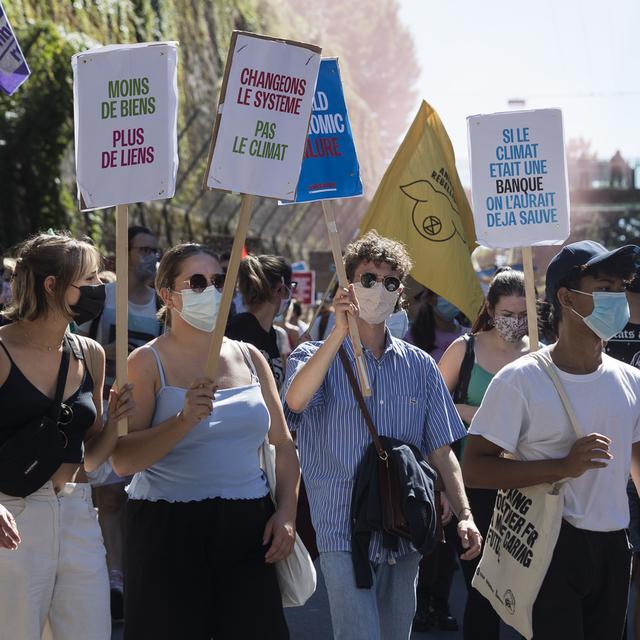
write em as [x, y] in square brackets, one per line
[185, 538]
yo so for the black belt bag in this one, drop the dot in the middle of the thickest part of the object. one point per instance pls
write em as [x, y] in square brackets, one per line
[35, 452]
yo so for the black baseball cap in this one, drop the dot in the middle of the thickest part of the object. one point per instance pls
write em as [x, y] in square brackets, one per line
[586, 253]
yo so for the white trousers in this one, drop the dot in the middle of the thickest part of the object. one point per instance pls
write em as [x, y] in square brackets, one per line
[58, 574]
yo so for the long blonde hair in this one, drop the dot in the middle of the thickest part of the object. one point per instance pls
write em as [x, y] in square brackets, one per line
[48, 254]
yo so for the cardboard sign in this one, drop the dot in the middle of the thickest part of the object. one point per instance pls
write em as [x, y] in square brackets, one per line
[125, 108]
[519, 178]
[263, 116]
[305, 292]
[330, 168]
[13, 67]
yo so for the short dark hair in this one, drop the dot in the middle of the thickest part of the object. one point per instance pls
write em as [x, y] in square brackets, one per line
[137, 230]
[620, 266]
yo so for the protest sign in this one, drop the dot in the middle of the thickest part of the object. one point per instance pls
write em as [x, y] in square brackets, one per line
[305, 292]
[126, 108]
[125, 119]
[519, 186]
[258, 137]
[330, 166]
[13, 67]
[263, 116]
[330, 171]
[519, 178]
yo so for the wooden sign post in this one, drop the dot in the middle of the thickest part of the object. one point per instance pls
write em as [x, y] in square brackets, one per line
[258, 137]
[227, 294]
[530, 293]
[330, 171]
[336, 249]
[122, 302]
[519, 187]
[125, 117]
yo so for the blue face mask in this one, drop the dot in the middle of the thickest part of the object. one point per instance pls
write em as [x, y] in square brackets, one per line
[446, 310]
[610, 313]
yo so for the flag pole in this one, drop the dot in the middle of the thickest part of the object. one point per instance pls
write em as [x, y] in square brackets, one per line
[334, 239]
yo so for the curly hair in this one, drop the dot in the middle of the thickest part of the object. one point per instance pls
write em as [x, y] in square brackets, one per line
[373, 247]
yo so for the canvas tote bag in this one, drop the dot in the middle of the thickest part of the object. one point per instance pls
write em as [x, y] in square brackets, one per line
[522, 537]
[296, 574]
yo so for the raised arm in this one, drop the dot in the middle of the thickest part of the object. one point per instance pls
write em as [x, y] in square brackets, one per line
[308, 380]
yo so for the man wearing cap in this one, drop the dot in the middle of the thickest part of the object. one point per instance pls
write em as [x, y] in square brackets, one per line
[584, 593]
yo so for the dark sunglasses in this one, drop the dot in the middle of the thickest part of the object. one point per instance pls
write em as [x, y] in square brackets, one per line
[198, 283]
[390, 283]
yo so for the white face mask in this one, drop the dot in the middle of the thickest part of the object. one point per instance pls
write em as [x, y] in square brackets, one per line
[200, 310]
[376, 303]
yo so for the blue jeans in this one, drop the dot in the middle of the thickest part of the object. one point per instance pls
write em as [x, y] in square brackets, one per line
[384, 612]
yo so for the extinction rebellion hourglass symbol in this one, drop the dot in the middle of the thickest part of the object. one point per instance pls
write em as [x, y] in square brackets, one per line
[434, 214]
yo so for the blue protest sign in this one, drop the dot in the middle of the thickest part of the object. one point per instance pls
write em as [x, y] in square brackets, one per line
[330, 167]
[13, 67]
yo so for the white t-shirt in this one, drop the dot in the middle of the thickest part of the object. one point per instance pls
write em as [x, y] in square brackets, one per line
[522, 413]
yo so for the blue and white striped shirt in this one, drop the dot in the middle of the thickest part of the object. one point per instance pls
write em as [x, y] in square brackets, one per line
[409, 402]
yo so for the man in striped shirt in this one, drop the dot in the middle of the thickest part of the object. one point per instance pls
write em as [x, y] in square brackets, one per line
[409, 402]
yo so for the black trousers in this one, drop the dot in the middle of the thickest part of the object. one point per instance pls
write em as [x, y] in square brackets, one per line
[481, 622]
[584, 594]
[196, 570]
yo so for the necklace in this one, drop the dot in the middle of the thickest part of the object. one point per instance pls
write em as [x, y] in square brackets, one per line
[44, 347]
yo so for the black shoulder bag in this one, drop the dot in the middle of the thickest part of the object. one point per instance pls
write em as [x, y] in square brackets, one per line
[460, 392]
[34, 453]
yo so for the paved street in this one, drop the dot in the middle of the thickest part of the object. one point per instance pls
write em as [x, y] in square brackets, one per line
[312, 622]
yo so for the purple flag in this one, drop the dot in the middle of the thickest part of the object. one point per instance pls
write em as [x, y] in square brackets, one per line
[13, 67]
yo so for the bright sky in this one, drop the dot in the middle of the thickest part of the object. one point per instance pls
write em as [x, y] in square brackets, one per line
[582, 56]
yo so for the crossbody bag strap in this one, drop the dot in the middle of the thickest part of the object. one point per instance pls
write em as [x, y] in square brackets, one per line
[361, 403]
[56, 405]
[550, 370]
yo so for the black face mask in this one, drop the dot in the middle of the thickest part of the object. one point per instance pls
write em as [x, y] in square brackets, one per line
[90, 304]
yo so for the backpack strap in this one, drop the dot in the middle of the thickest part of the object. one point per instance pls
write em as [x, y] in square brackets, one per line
[460, 392]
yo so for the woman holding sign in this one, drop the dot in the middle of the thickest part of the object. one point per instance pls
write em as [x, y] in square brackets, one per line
[498, 337]
[52, 560]
[203, 536]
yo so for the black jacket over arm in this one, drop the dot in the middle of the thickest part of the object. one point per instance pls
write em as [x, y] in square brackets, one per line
[417, 486]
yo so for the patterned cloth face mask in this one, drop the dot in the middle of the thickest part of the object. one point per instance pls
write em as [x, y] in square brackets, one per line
[511, 328]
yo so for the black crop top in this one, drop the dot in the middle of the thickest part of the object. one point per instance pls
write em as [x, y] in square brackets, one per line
[21, 402]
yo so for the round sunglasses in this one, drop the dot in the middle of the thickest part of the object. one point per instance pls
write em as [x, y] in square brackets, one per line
[198, 283]
[390, 283]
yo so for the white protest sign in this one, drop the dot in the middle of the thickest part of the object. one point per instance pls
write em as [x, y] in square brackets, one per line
[519, 178]
[263, 116]
[125, 109]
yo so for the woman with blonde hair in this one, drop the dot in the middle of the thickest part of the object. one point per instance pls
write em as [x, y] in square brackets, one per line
[202, 532]
[52, 560]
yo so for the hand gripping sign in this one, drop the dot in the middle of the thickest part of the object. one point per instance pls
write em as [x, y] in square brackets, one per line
[259, 136]
[125, 117]
[519, 186]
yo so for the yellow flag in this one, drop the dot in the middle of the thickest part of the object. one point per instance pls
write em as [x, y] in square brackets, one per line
[421, 203]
